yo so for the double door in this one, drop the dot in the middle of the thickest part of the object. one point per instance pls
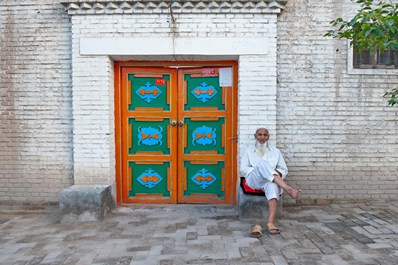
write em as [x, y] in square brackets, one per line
[177, 134]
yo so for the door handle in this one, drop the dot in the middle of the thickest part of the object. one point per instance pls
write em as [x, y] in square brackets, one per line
[180, 123]
[173, 123]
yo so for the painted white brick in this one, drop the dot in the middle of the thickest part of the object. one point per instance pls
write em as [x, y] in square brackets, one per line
[36, 124]
[333, 127]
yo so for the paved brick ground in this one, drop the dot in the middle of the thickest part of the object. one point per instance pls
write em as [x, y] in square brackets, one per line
[188, 234]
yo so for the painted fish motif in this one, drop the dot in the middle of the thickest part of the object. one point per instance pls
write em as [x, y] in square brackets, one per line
[204, 136]
[204, 92]
[149, 178]
[148, 92]
[203, 178]
[149, 136]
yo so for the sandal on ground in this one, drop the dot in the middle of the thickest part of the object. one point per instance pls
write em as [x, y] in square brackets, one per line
[272, 229]
[257, 231]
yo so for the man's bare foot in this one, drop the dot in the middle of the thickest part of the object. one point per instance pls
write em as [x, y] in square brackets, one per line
[295, 194]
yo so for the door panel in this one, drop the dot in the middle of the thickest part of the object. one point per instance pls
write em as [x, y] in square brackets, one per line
[148, 179]
[203, 179]
[202, 92]
[149, 153]
[202, 147]
[177, 136]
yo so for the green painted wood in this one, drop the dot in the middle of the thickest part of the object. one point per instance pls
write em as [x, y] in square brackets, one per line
[149, 178]
[203, 92]
[204, 135]
[147, 92]
[204, 178]
[149, 136]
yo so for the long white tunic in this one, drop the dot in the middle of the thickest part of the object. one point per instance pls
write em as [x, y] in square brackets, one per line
[273, 156]
[259, 170]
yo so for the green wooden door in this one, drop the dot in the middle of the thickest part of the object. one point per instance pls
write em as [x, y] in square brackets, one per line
[205, 116]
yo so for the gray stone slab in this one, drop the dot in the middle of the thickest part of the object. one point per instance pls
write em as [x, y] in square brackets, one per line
[255, 207]
[81, 203]
[190, 234]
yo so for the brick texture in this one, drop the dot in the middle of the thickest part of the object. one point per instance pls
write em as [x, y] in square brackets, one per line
[338, 135]
[35, 108]
[57, 125]
[92, 133]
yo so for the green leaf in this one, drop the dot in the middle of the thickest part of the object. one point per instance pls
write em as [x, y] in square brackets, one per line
[392, 102]
[391, 21]
[394, 46]
[368, 32]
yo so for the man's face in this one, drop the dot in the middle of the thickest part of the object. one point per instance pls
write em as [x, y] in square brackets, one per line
[261, 135]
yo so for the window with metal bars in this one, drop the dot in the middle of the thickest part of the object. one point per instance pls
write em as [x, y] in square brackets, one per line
[376, 60]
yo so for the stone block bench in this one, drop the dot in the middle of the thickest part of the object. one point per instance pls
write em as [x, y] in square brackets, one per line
[254, 206]
[80, 203]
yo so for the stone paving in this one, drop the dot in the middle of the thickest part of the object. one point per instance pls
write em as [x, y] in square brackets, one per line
[190, 234]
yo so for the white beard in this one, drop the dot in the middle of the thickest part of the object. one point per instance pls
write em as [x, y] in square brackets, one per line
[261, 149]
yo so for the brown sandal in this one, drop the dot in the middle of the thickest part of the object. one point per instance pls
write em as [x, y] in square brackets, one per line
[257, 231]
[272, 229]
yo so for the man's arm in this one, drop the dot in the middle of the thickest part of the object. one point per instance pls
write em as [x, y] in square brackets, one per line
[281, 167]
[245, 165]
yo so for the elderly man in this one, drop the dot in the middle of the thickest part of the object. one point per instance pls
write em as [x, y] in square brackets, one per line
[264, 168]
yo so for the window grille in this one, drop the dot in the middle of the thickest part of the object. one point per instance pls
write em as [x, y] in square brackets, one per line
[376, 60]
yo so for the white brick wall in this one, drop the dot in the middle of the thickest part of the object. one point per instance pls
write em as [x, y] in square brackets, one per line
[257, 96]
[35, 107]
[339, 137]
[93, 122]
[257, 77]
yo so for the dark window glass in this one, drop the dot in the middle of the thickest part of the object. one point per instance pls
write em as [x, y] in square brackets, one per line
[376, 60]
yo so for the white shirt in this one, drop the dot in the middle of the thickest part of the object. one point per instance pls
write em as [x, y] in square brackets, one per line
[273, 156]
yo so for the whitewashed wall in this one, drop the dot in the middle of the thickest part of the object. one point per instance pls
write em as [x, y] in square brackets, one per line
[35, 101]
[57, 129]
[339, 137]
[257, 74]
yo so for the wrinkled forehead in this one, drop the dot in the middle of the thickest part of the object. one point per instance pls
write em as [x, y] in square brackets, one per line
[262, 131]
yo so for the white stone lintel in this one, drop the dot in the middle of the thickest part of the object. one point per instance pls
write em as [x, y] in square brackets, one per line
[174, 46]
